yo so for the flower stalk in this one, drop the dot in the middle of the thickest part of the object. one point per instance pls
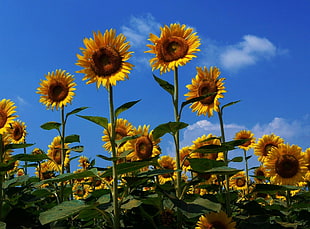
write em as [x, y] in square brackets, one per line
[246, 170]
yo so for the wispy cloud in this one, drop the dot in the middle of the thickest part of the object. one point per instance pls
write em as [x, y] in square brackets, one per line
[20, 101]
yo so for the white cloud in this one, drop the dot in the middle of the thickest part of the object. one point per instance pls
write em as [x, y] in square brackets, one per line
[21, 101]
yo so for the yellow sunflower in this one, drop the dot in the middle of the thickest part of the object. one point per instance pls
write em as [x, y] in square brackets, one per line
[184, 154]
[57, 90]
[54, 152]
[216, 220]
[286, 165]
[81, 190]
[307, 157]
[260, 174]
[45, 171]
[143, 147]
[167, 162]
[7, 109]
[265, 144]
[104, 59]
[84, 162]
[245, 134]
[206, 82]
[175, 47]
[17, 132]
[122, 129]
[238, 181]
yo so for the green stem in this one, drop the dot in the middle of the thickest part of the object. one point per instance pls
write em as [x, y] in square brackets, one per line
[227, 195]
[1, 177]
[62, 139]
[246, 171]
[26, 163]
[114, 155]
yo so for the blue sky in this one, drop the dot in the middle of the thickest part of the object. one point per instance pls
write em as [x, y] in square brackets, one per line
[261, 47]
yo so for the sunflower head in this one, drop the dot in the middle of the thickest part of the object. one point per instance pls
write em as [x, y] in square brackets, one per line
[104, 58]
[206, 82]
[84, 162]
[7, 110]
[184, 154]
[286, 165]
[17, 132]
[175, 47]
[216, 220]
[167, 162]
[260, 174]
[54, 152]
[265, 144]
[245, 134]
[57, 90]
[203, 141]
[238, 181]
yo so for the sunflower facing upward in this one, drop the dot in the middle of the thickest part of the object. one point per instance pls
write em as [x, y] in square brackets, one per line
[57, 90]
[175, 47]
[7, 109]
[104, 60]
[206, 82]
[216, 220]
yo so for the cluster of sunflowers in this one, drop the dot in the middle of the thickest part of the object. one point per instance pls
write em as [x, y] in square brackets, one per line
[143, 187]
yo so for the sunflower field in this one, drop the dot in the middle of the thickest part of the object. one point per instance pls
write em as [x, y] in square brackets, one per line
[144, 188]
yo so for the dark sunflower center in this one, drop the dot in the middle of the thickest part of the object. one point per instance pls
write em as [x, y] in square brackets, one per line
[207, 88]
[17, 133]
[3, 118]
[267, 148]
[217, 225]
[58, 91]
[240, 182]
[170, 167]
[173, 48]
[106, 61]
[57, 155]
[287, 166]
[144, 147]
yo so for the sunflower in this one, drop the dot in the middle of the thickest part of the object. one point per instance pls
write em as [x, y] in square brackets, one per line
[286, 165]
[175, 47]
[184, 154]
[167, 162]
[216, 220]
[143, 147]
[260, 174]
[104, 58]
[17, 132]
[238, 181]
[206, 82]
[84, 162]
[245, 134]
[265, 144]
[57, 90]
[307, 157]
[81, 190]
[203, 141]
[54, 153]
[122, 129]
[7, 109]
[45, 171]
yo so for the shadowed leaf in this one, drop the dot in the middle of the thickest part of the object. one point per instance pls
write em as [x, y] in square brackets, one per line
[125, 107]
[165, 85]
[169, 127]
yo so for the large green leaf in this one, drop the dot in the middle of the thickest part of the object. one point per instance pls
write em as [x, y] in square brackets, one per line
[16, 181]
[30, 157]
[204, 164]
[131, 203]
[223, 170]
[2, 225]
[165, 85]
[169, 127]
[272, 188]
[78, 149]
[101, 121]
[72, 138]
[75, 111]
[62, 211]
[51, 125]
[16, 146]
[125, 139]
[125, 107]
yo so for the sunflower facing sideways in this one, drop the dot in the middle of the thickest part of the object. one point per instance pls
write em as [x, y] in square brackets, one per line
[206, 82]
[175, 47]
[167, 162]
[7, 109]
[104, 60]
[215, 220]
[54, 152]
[57, 90]
[286, 165]
[245, 134]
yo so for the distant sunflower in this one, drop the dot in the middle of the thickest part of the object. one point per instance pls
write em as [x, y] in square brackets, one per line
[104, 59]
[215, 220]
[265, 144]
[167, 162]
[238, 181]
[204, 141]
[84, 162]
[7, 109]
[54, 152]
[175, 47]
[81, 190]
[143, 147]
[245, 134]
[17, 132]
[260, 174]
[206, 82]
[286, 165]
[57, 90]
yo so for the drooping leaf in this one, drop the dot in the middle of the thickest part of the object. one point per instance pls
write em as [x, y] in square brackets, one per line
[72, 138]
[75, 111]
[165, 85]
[101, 121]
[30, 157]
[51, 126]
[169, 127]
[125, 107]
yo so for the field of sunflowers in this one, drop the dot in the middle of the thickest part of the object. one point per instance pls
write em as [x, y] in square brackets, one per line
[143, 188]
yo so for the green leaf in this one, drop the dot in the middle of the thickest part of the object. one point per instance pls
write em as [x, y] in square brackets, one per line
[165, 85]
[2, 225]
[16, 181]
[125, 107]
[272, 188]
[132, 203]
[7, 166]
[195, 100]
[72, 138]
[101, 121]
[155, 172]
[229, 104]
[106, 158]
[169, 127]
[237, 159]
[77, 110]
[78, 149]
[16, 146]
[51, 125]
[125, 139]
[223, 170]
[30, 157]
[204, 164]
[62, 211]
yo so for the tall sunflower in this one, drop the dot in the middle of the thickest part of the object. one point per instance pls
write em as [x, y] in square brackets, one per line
[175, 47]
[206, 82]
[57, 90]
[143, 147]
[265, 144]
[286, 165]
[245, 134]
[216, 220]
[167, 162]
[7, 110]
[104, 60]
[54, 152]
[17, 132]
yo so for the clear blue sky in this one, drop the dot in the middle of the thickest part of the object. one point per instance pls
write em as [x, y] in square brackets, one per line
[261, 47]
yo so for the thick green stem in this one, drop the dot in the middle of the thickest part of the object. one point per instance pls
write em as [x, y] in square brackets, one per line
[62, 139]
[116, 223]
[246, 171]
